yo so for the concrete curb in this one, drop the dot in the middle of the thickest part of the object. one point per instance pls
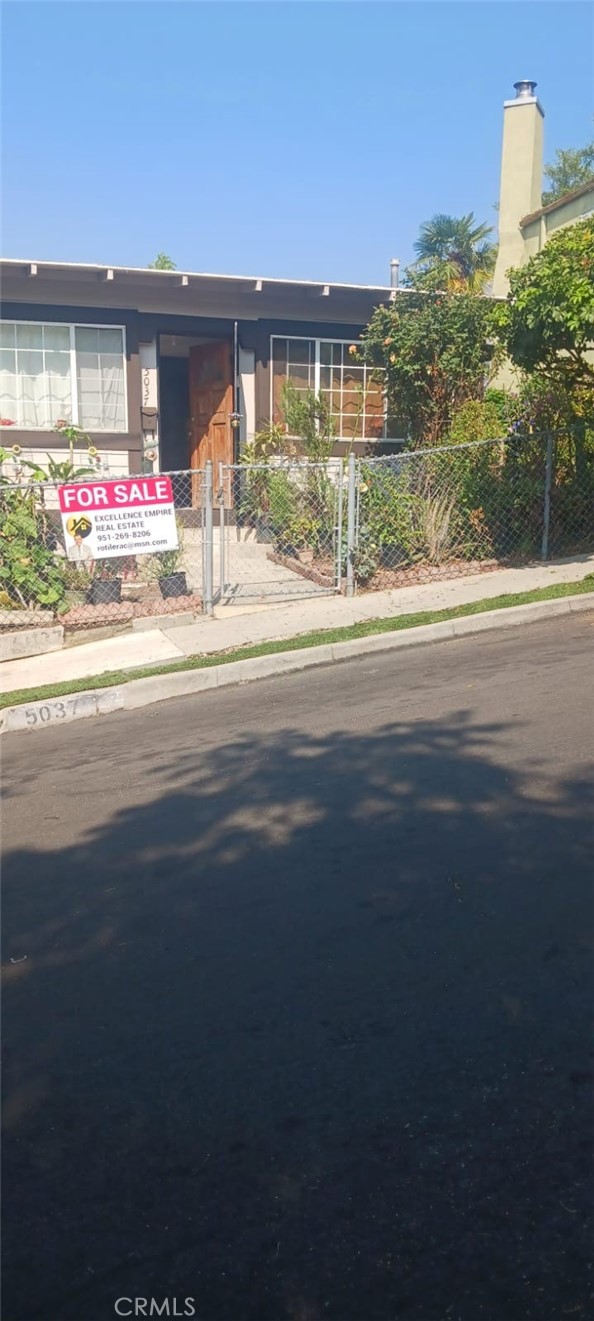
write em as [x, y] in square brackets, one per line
[144, 692]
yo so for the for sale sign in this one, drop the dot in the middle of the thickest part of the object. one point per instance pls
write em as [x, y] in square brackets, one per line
[135, 516]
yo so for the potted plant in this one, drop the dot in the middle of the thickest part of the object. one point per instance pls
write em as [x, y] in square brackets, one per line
[77, 583]
[106, 583]
[172, 581]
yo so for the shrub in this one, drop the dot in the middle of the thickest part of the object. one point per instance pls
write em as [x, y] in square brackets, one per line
[30, 573]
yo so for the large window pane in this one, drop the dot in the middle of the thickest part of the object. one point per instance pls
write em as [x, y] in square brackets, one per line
[279, 355]
[299, 374]
[87, 337]
[100, 378]
[7, 360]
[29, 337]
[36, 386]
[29, 362]
[8, 395]
[57, 364]
[56, 337]
[300, 351]
[110, 341]
[7, 334]
[354, 396]
[33, 402]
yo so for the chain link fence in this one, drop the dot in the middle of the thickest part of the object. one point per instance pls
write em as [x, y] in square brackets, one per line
[42, 577]
[280, 529]
[456, 510]
[286, 529]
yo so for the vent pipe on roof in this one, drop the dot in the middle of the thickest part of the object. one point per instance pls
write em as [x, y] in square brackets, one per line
[394, 272]
[524, 90]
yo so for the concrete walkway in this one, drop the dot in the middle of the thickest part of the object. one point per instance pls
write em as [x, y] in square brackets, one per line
[232, 627]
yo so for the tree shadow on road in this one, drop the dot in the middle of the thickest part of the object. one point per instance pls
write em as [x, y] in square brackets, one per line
[305, 1036]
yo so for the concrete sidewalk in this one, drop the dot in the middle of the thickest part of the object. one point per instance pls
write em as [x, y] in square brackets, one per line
[232, 627]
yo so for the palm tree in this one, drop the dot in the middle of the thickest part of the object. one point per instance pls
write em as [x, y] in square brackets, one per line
[162, 263]
[455, 252]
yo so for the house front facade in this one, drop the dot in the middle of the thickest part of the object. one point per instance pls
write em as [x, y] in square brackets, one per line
[164, 370]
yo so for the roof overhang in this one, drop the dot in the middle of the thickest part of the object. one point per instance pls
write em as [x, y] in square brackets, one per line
[193, 292]
[565, 200]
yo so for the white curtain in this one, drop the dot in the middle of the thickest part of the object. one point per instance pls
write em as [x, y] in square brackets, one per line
[100, 376]
[35, 375]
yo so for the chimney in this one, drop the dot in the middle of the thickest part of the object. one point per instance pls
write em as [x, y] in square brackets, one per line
[520, 190]
[394, 272]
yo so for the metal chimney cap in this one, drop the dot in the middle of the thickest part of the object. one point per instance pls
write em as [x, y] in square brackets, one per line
[525, 90]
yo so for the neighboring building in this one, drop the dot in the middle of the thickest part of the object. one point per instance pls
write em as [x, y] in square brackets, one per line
[524, 223]
[165, 370]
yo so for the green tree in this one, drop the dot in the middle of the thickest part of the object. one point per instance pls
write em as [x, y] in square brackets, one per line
[546, 326]
[435, 352]
[570, 168]
[162, 263]
[453, 253]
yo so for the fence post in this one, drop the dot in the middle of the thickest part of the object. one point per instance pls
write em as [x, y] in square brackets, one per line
[222, 530]
[208, 539]
[339, 526]
[547, 497]
[350, 551]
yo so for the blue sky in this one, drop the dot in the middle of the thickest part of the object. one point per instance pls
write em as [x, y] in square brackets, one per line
[307, 140]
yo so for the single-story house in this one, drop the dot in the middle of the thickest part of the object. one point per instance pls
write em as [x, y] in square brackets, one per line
[166, 369]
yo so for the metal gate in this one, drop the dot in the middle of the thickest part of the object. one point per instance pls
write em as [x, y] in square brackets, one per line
[278, 531]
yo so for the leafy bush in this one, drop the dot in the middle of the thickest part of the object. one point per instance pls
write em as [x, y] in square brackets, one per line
[307, 416]
[388, 506]
[30, 573]
[483, 419]
[434, 350]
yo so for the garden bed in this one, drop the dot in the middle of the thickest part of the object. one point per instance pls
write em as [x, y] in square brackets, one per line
[385, 579]
[321, 571]
[122, 612]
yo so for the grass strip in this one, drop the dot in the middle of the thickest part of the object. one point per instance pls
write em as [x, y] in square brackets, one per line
[366, 628]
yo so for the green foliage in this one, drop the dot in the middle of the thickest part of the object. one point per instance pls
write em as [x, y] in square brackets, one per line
[483, 419]
[64, 470]
[168, 562]
[387, 509]
[570, 168]
[162, 263]
[283, 500]
[307, 416]
[297, 508]
[546, 325]
[30, 574]
[453, 253]
[366, 556]
[256, 455]
[57, 471]
[435, 351]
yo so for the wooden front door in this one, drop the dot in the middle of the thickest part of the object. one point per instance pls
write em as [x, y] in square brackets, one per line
[211, 404]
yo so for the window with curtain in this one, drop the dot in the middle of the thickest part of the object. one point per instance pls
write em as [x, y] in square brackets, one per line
[50, 373]
[355, 397]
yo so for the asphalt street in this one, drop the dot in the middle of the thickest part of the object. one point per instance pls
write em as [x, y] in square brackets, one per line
[297, 995]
